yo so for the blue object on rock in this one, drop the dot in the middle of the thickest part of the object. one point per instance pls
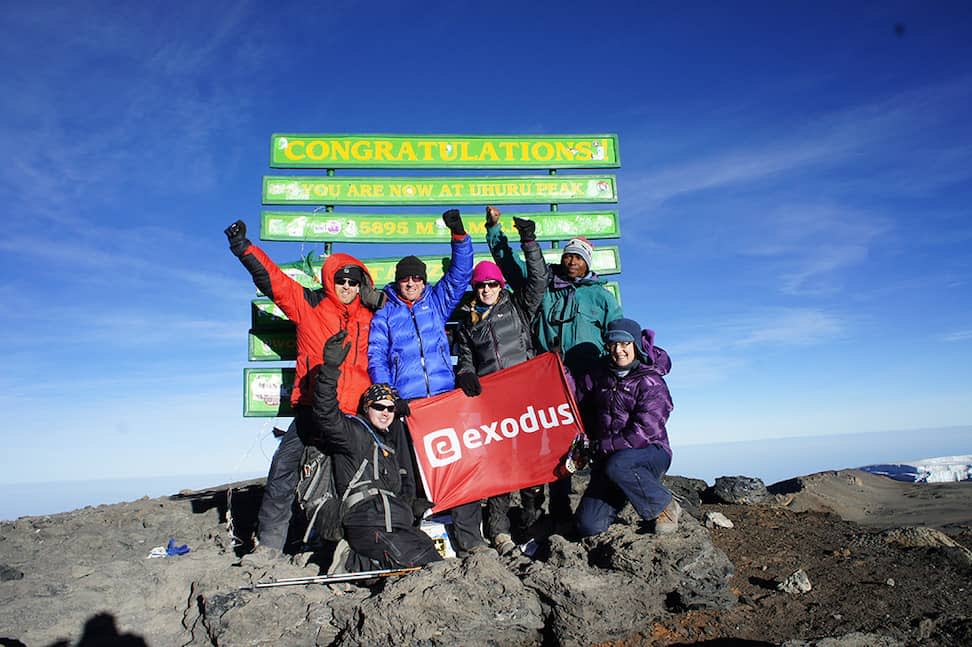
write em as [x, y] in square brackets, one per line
[172, 550]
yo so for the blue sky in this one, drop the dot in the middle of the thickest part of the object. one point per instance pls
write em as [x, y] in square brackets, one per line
[795, 188]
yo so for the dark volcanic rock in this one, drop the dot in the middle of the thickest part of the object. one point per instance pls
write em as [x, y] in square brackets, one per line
[620, 581]
[688, 491]
[474, 601]
[7, 573]
[92, 564]
[738, 489]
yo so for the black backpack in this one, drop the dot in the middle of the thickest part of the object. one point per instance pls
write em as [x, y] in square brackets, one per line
[318, 497]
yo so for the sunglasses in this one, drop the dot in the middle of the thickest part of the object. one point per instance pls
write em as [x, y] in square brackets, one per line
[413, 278]
[487, 284]
[352, 282]
[382, 407]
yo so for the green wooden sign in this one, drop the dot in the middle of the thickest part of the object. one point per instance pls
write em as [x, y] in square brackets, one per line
[398, 228]
[266, 392]
[272, 345]
[443, 151]
[520, 189]
[265, 315]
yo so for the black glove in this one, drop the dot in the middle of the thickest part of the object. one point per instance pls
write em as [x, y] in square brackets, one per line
[236, 234]
[402, 409]
[527, 229]
[371, 297]
[334, 350]
[453, 221]
[469, 383]
[419, 506]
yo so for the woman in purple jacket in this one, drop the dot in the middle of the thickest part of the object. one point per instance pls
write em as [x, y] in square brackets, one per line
[625, 404]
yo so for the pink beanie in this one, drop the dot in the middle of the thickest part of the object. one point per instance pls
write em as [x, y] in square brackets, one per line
[487, 271]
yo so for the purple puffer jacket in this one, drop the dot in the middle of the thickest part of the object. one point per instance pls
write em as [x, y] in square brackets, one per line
[631, 411]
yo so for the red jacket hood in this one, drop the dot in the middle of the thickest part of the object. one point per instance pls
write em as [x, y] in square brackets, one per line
[335, 262]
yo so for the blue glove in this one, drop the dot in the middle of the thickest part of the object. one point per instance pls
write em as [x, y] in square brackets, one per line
[172, 550]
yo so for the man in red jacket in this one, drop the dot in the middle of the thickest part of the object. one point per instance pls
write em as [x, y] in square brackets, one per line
[344, 301]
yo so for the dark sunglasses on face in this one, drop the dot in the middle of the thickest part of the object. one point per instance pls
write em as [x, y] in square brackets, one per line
[352, 282]
[413, 278]
[487, 284]
[382, 407]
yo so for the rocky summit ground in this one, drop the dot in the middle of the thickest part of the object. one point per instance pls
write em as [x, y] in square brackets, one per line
[837, 558]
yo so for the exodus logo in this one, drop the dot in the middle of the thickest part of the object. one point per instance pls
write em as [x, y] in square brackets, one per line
[443, 446]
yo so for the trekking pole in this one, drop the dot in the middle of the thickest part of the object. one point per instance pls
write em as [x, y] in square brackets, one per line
[335, 578]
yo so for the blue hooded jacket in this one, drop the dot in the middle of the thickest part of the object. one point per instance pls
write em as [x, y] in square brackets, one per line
[407, 347]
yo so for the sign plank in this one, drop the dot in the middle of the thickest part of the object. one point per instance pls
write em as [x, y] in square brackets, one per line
[294, 150]
[519, 189]
[605, 261]
[266, 392]
[401, 228]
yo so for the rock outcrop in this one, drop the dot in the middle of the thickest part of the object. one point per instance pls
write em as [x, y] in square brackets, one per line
[90, 570]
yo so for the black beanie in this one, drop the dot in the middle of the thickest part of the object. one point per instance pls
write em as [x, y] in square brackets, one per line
[410, 266]
[349, 272]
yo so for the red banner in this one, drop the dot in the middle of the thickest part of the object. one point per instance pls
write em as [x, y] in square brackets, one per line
[514, 435]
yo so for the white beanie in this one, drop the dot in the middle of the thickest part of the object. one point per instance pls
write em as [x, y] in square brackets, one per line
[583, 248]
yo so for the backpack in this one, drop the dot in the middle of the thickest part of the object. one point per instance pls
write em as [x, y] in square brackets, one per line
[318, 497]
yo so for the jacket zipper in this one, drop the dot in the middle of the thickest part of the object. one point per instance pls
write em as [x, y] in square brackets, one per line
[428, 387]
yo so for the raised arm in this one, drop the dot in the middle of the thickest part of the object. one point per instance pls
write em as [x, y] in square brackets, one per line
[267, 276]
[450, 288]
[330, 427]
[530, 296]
[514, 270]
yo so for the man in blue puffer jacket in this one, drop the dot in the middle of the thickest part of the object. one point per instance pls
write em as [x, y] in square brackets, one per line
[408, 347]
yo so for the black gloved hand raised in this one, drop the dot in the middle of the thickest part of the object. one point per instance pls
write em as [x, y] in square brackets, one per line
[335, 350]
[453, 221]
[527, 229]
[372, 297]
[236, 234]
[469, 383]
[402, 409]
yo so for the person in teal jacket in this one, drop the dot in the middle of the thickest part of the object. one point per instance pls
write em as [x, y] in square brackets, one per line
[573, 318]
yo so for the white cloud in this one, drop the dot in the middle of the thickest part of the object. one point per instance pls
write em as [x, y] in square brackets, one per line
[958, 336]
[764, 327]
[890, 136]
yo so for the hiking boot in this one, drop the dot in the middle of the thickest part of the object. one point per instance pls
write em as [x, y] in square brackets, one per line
[667, 522]
[504, 544]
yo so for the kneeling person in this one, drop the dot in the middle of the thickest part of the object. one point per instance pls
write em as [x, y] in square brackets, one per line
[372, 466]
[625, 404]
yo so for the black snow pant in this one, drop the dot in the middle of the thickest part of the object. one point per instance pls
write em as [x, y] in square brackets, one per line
[400, 548]
[276, 507]
[466, 527]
